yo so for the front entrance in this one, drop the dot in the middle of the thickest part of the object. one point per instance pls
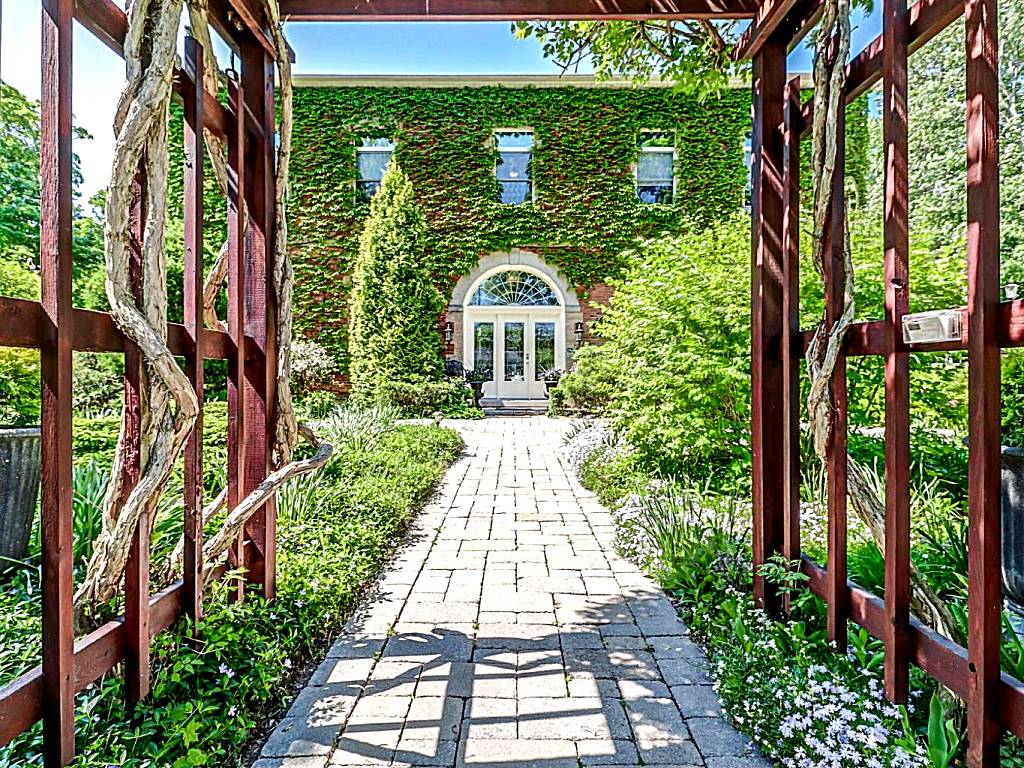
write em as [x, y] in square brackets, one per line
[514, 331]
[514, 351]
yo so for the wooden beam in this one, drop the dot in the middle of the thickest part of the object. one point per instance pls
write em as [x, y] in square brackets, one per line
[836, 464]
[768, 214]
[24, 323]
[984, 599]
[770, 16]
[897, 371]
[239, 21]
[791, 403]
[136, 574]
[106, 21]
[216, 117]
[192, 555]
[258, 87]
[237, 226]
[511, 10]
[56, 208]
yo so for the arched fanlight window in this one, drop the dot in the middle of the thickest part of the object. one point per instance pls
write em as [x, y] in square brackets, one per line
[514, 288]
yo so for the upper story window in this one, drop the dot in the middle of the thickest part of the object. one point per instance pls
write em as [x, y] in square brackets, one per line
[655, 166]
[513, 169]
[372, 158]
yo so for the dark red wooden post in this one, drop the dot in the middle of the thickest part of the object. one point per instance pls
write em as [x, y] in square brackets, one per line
[236, 309]
[835, 277]
[984, 598]
[55, 357]
[767, 389]
[897, 374]
[791, 340]
[192, 599]
[136, 575]
[258, 84]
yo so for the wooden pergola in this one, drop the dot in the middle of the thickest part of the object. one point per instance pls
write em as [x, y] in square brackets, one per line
[780, 121]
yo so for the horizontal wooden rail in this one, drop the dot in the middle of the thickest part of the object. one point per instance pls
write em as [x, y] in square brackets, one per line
[226, 13]
[937, 655]
[773, 15]
[21, 702]
[926, 17]
[868, 337]
[511, 10]
[24, 324]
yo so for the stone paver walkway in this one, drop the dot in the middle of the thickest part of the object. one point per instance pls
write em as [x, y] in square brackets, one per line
[508, 633]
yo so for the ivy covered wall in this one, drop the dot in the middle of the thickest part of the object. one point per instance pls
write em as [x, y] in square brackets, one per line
[586, 211]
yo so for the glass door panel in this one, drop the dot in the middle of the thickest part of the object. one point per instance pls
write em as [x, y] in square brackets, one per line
[483, 350]
[543, 349]
[515, 351]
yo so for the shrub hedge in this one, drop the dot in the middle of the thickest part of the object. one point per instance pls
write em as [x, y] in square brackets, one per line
[395, 305]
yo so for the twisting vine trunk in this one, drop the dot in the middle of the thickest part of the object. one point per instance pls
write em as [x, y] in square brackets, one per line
[832, 47]
[169, 403]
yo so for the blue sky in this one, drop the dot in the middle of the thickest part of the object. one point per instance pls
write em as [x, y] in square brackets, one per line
[356, 48]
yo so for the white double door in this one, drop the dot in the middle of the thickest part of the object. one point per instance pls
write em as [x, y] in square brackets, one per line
[515, 349]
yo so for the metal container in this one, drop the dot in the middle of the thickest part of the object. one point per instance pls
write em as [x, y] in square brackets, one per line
[19, 488]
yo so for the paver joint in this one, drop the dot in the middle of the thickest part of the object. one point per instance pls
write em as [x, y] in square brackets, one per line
[506, 633]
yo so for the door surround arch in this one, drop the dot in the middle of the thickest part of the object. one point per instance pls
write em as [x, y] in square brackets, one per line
[526, 319]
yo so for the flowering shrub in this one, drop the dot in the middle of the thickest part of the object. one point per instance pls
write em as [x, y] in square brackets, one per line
[802, 705]
[312, 367]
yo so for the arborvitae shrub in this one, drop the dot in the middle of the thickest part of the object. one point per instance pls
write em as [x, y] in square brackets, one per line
[395, 304]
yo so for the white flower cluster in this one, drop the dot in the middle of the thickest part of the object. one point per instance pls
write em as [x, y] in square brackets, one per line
[822, 721]
[583, 442]
[633, 539]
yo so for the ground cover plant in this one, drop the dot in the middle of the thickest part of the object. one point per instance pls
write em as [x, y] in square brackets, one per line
[335, 529]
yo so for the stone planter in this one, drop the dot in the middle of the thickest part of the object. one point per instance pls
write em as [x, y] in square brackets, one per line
[1013, 527]
[478, 392]
[548, 386]
[19, 488]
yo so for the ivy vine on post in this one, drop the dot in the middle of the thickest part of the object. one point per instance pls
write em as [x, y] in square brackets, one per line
[169, 403]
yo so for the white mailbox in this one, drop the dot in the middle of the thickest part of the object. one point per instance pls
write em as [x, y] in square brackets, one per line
[931, 327]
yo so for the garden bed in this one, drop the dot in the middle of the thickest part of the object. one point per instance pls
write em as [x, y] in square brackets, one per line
[779, 680]
[336, 528]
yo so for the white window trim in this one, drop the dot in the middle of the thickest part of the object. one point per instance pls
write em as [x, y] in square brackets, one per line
[748, 162]
[657, 150]
[526, 150]
[369, 150]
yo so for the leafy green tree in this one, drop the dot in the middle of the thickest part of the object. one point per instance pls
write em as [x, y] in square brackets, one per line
[696, 55]
[674, 369]
[19, 368]
[19, 173]
[19, 193]
[395, 304]
[938, 139]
